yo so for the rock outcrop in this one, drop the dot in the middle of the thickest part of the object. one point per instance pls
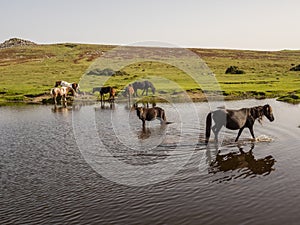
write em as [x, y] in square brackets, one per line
[13, 42]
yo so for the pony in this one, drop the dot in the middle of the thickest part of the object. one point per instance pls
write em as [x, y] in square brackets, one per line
[143, 85]
[129, 92]
[62, 83]
[236, 119]
[105, 90]
[62, 92]
[151, 114]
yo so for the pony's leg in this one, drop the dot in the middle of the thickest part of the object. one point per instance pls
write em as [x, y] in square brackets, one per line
[162, 122]
[65, 100]
[252, 132]
[216, 130]
[239, 134]
[144, 124]
[143, 91]
[129, 100]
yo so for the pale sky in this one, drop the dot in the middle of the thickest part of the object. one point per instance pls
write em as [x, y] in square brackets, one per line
[235, 24]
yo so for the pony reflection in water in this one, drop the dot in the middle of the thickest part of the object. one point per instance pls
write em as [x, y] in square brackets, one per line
[243, 162]
[236, 119]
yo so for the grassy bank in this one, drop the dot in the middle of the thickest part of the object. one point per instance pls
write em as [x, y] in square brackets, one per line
[28, 72]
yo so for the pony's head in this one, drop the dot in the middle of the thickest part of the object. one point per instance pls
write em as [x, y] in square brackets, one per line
[57, 83]
[75, 86]
[112, 92]
[268, 112]
[139, 111]
[153, 90]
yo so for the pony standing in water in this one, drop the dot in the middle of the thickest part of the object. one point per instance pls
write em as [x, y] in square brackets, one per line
[62, 92]
[129, 92]
[106, 90]
[151, 114]
[236, 119]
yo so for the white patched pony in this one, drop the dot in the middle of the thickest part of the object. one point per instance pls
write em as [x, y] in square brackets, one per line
[63, 83]
[62, 92]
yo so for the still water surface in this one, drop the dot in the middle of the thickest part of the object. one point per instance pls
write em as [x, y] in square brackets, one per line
[47, 175]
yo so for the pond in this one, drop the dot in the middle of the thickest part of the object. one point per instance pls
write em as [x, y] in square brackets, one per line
[88, 165]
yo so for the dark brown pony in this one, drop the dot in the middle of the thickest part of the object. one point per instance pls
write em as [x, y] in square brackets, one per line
[148, 114]
[143, 85]
[236, 119]
[61, 92]
[106, 90]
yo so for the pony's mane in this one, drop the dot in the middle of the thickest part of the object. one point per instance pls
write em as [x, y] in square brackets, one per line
[257, 113]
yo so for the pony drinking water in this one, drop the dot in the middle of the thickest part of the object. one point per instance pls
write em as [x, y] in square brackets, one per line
[62, 92]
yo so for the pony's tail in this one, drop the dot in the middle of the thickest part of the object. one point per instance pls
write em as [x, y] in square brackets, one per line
[208, 127]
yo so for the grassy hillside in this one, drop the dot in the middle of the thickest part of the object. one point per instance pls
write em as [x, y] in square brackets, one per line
[30, 71]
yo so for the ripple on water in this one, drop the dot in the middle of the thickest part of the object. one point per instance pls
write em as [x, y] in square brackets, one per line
[45, 179]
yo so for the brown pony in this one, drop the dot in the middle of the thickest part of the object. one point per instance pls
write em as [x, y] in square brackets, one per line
[129, 91]
[106, 90]
[62, 92]
[151, 114]
[236, 119]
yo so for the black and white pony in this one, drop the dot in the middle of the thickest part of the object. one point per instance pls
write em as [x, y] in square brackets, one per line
[63, 83]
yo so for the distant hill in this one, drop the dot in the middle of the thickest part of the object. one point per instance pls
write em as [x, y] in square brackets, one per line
[28, 69]
[13, 42]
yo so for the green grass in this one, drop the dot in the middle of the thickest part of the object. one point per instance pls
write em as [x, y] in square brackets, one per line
[26, 72]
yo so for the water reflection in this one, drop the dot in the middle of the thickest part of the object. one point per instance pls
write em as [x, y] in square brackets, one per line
[243, 162]
[154, 133]
[145, 133]
[66, 109]
[61, 109]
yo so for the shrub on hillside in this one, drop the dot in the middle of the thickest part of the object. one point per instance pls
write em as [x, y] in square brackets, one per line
[234, 70]
[106, 72]
[295, 68]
